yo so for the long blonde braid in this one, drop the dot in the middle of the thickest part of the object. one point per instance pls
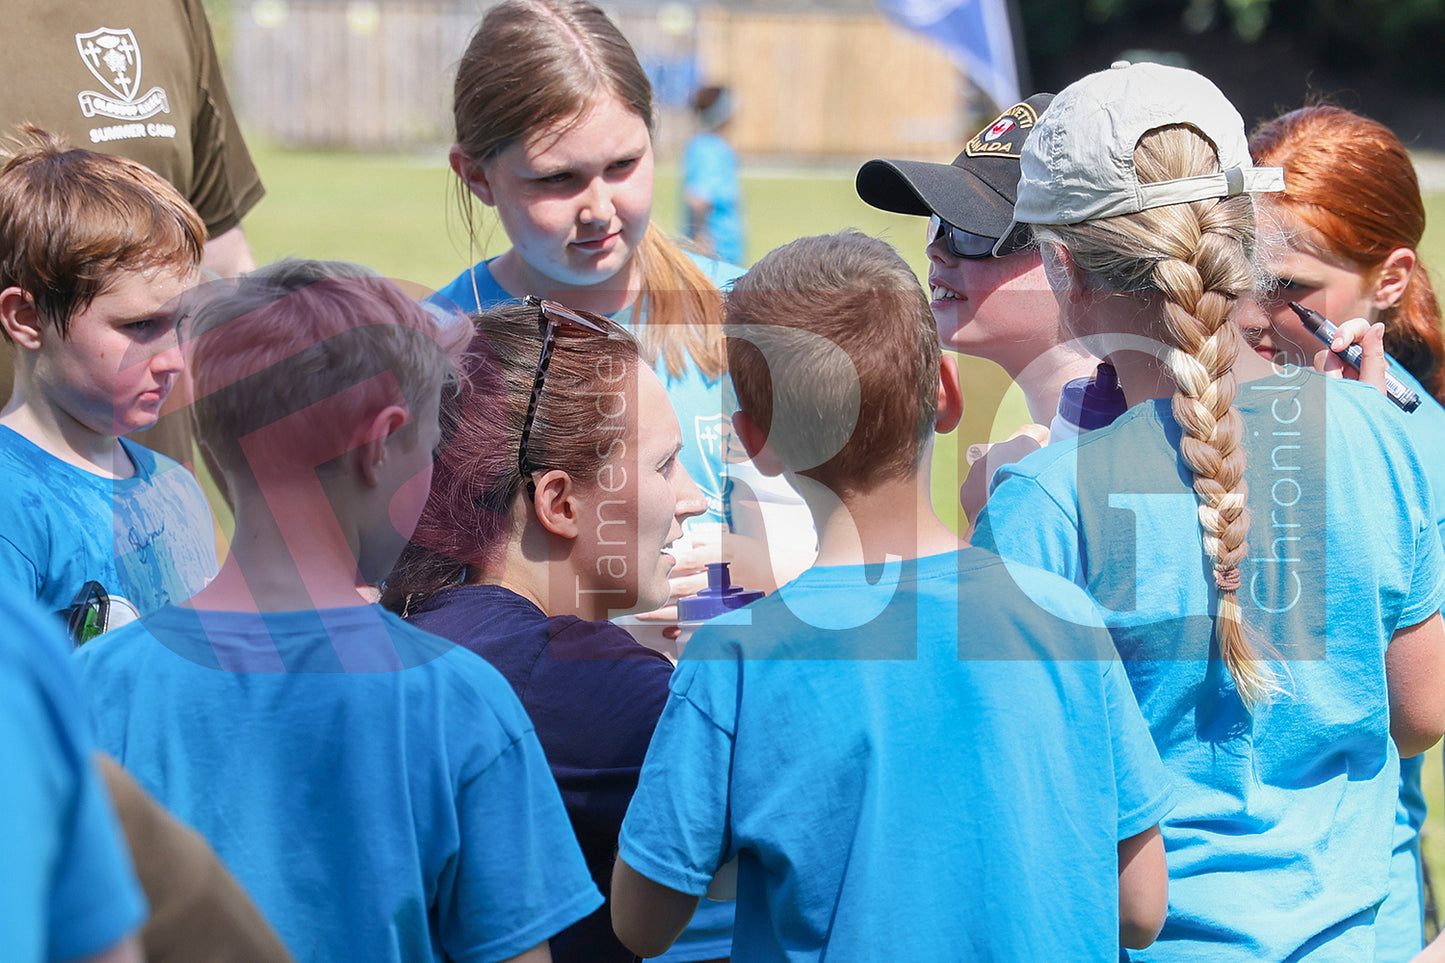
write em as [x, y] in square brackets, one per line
[1196, 256]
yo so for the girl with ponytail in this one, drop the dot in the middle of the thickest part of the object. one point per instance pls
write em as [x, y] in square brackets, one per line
[1204, 522]
[554, 121]
[1345, 233]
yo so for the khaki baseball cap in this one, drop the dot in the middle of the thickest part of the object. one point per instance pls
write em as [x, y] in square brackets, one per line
[1078, 163]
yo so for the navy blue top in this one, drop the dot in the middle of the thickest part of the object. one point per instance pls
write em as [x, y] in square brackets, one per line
[594, 696]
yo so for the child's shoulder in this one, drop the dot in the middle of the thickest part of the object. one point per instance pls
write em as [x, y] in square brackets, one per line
[368, 651]
[964, 598]
[720, 273]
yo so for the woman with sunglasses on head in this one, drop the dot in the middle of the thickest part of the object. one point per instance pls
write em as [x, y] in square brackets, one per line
[1343, 238]
[556, 494]
[554, 122]
[1284, 654]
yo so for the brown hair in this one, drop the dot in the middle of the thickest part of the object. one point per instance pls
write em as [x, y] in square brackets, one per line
[534, 64]
[289, 359]
[476, 483]
[1350, 181]
[845, 322]
[71, 219]
[1196, 256]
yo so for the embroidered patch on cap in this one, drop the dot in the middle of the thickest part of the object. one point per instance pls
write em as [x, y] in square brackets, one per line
[1004, 137]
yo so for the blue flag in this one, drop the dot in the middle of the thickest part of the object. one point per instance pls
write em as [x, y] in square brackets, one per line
[976, 35]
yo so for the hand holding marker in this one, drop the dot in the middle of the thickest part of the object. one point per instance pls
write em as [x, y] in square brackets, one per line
[1321, 328]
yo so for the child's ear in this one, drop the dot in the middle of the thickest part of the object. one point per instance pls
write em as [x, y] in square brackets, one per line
[556, 504]
[472, 175]
[378, 435]
[1393, 276]
[950, 396]
[755, 443]
[21, 321]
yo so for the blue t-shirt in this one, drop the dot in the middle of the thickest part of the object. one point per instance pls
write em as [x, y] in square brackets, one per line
[67, 889]
[701, 403]
[378, 791]
[1281, 837]
[710, 172]
[594, 695]
[148, 539]
[907, 761]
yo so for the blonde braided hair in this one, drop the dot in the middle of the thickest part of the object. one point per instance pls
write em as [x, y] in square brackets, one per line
[1197, 258]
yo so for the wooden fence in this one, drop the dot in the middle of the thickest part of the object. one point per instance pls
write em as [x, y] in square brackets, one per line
[809, 85]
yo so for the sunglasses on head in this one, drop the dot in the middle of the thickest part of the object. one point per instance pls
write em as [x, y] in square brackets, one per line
[974, 247]
[552, 319]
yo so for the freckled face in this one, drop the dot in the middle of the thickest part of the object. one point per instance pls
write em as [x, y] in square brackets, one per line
[1336, 290]
[575, 201]
[999, 308]
[121, 357]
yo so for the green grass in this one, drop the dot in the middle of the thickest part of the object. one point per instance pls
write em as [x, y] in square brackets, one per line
[399, 215]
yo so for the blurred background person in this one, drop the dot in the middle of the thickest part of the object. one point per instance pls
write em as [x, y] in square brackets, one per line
[711, 194]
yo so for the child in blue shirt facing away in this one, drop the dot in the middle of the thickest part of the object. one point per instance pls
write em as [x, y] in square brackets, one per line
[1259, 538]
[378, 790]
[93, 251]
[68, 890]
[902, 751]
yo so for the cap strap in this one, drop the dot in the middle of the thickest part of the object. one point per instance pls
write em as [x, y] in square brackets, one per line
[1230, 183]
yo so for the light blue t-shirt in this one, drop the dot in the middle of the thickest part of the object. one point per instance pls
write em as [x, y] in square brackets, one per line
[910, 762]
[710, 172]
[701, 403]
[148, 539]
[1282, 835]
[67, 889]
[378, 791]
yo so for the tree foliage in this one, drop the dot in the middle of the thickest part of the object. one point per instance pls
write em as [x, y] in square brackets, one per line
[1405, 33]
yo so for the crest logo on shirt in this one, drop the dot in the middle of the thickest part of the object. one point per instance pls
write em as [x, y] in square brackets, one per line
[113, 58]
[713, 433]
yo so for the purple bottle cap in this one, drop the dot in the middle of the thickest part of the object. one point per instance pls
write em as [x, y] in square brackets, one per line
[720, 596]
[1093, 402]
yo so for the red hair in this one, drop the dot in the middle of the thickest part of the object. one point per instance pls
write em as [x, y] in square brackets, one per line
[1350, 181]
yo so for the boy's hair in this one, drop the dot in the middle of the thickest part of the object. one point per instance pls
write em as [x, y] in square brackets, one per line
[290, 359]
[834, 352]
[71, 219]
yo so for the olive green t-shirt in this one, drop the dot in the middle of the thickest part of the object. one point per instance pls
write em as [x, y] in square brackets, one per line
[138, 78]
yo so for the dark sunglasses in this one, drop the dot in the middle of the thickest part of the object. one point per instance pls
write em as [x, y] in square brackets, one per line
[975, 247]
[552, 318]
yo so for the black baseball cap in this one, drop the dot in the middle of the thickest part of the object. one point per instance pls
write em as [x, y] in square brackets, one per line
[976, 192]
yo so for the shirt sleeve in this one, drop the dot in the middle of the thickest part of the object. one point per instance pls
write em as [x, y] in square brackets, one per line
[676, 830]
[1022, 522]
[1142, 784]
[225, 184]
[519, 876]
[91, 899]
[19, 577]
[1427, 579]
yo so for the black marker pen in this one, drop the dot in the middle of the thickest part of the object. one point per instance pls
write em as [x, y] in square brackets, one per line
[1321, 328]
